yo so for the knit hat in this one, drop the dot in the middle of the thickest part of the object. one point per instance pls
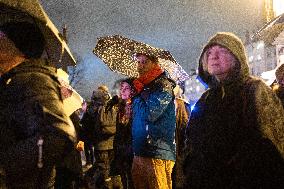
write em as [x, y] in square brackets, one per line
[27, 38]
[100, 97]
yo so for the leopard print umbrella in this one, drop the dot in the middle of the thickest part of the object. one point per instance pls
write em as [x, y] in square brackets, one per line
[117, 52]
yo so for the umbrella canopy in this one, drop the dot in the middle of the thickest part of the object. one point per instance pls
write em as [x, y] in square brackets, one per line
[31, 11]
[117, 52]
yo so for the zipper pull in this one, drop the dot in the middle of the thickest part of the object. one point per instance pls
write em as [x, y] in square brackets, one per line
[39, 144]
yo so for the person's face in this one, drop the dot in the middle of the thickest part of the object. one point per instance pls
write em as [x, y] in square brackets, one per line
[144, 64]
[8, 52]
[220, 61]
[125, 91]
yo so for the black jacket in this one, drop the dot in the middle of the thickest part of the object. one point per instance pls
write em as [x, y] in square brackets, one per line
[235, 136]
[99, 123]
[31, 107]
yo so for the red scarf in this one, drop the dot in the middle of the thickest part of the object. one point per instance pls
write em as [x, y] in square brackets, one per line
[146, 78]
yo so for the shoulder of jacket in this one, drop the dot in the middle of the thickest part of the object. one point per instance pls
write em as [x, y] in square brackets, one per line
[253, 83]
[164, 83]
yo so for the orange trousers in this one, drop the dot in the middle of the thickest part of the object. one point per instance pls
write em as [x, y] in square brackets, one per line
[149, 173]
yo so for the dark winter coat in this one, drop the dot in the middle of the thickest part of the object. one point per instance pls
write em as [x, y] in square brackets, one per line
[99, 122]
[154, 109]
[73, 160]
[69, 170]
[182, 118]
[123, 137]
[122, 148]
[123, 154]
[31, 106]
[235, 137]
[88, 123]
[105, 128]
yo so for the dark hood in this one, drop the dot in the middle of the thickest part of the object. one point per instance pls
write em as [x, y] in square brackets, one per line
[235, 45]
[100, 97]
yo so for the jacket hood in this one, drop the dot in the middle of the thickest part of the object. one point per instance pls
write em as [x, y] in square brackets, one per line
[100, 97]
[231, 42]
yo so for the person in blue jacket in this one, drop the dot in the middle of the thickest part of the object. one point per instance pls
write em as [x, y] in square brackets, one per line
[153, 125]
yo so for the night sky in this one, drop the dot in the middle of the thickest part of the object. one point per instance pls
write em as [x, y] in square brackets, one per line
[180, 26]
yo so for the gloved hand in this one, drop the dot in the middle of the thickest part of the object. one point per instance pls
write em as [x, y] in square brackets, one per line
[80, 146]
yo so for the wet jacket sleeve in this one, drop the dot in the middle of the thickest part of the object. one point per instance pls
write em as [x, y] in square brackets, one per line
[41, 104]
[269, 113]
[37, 111]
[158, 101]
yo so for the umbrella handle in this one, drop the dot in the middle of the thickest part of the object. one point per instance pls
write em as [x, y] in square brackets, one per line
[40, 157]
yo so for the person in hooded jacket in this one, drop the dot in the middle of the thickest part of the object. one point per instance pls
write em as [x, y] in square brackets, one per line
[235, 136]
[103, 116]
[35, 132]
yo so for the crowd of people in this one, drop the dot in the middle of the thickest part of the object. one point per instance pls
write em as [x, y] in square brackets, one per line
[145, 137]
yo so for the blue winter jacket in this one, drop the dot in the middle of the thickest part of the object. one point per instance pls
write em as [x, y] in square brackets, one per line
[153, 126]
